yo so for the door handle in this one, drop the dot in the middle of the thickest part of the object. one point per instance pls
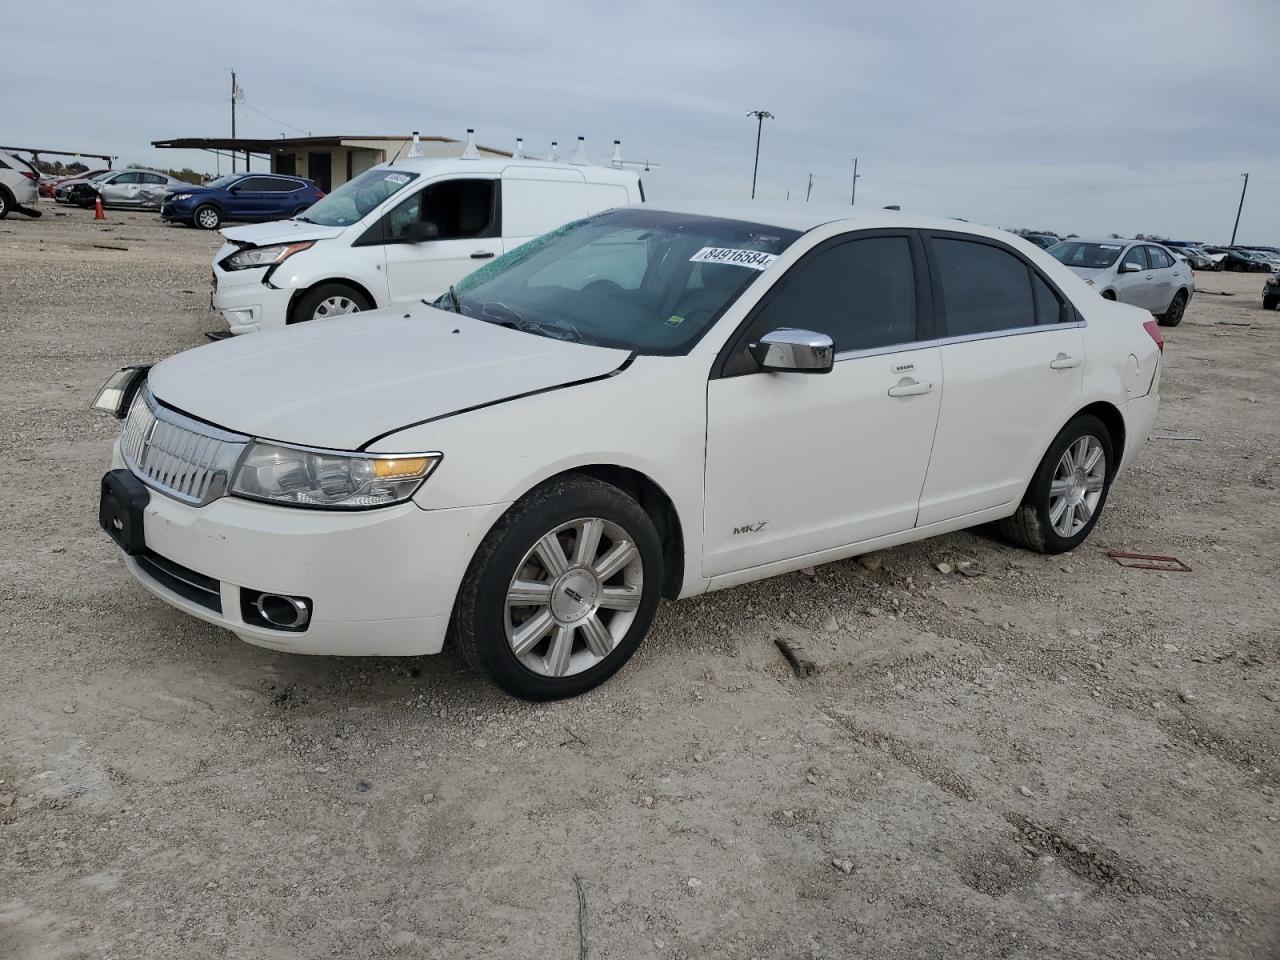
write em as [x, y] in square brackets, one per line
[1063, 362]
[482, 255]
[910, 388]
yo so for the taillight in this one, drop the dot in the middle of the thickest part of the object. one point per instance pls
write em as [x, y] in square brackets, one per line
[30, 174]
[1153, 328]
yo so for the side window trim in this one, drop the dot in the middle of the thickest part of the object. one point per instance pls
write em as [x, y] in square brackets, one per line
[1069, 316]
[926, 328]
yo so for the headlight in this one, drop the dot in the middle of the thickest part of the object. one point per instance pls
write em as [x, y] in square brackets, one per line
[180, 196]
[330, 479]
[264, 256]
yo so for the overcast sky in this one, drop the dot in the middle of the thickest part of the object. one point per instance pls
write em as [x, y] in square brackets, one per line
[1087, 117]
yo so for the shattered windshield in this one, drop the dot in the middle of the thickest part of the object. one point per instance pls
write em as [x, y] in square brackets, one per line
[643, 280]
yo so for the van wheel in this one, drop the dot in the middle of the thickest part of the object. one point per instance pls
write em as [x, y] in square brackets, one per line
[329, 300]
[1173, 316]
[207, 217]
[1067, 492]
[561, 591]
[1108, 295]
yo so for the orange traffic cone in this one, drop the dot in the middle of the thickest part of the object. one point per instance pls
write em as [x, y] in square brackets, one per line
[98, 213]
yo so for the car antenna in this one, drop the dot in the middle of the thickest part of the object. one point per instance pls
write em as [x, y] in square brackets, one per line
[398, 152]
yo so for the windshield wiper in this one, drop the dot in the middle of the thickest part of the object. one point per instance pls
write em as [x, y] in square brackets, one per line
[304, 219]
[453, 300]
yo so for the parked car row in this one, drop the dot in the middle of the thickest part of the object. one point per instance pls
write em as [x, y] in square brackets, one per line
[370, 485]
[1139, 272]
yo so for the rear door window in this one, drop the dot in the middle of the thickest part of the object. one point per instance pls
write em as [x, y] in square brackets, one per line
[985, 289]
[1158, 259]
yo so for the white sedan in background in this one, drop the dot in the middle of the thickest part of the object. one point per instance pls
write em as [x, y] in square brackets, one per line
[1145, 274]
[647, 403]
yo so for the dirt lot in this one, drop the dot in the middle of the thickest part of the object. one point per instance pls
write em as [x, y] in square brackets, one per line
[1056, 757]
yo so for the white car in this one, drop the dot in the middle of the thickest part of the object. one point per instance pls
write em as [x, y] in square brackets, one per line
[401, 232]
[1145, 274]
[19, 186]
[646, 403]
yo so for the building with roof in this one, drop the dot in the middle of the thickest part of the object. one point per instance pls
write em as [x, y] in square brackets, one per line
[329, 161]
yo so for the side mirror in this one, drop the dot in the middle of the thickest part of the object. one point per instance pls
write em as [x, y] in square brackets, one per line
[420, 231]
[794, 351]
[1129, 267]
[235, 189]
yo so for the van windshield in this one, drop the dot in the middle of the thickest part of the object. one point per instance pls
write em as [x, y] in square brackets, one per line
[643, 280]
[356, 198]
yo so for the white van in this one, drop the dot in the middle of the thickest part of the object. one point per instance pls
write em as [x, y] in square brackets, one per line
[402, 232]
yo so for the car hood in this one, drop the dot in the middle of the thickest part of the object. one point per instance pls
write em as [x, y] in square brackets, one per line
[278, 231]
[341, 383]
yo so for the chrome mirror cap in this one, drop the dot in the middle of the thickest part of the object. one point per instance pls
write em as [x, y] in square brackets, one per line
[789, 350]
[117, 393]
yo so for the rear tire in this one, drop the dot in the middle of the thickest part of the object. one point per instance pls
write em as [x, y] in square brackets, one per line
[207, 217]
[1270, 303]
[579, 627]
[1051, 517]
[328, 300]
[1173, 316]
[6, 202]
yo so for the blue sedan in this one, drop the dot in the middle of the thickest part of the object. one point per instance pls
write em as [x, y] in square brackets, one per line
[240, 196]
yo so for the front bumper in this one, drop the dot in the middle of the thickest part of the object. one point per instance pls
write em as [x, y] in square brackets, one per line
[246, 303]
[181, 211]
[382, 582]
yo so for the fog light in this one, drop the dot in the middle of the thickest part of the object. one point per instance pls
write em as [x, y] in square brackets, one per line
[275, 611]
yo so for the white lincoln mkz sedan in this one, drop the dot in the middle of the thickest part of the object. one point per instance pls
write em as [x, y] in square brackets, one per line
[651, 402]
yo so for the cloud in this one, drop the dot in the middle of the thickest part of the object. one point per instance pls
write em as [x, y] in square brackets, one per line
[1088, 117]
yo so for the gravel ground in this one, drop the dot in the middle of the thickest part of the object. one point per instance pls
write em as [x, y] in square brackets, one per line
[1055, 757]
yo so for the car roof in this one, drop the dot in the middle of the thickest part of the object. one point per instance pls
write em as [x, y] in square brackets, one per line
[808, 216]
[496, 165]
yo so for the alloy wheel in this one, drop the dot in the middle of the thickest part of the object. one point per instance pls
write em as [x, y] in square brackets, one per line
[335, 306]
[1077, 486]
[208, 218]
[573, 597]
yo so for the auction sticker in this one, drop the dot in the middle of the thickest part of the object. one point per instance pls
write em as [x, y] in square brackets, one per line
[396, 178]
[751, 259]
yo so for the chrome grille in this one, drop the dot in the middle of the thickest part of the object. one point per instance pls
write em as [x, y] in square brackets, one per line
[184, 458]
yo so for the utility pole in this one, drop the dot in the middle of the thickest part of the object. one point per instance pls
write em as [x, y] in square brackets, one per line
[233, 120]
[853, 199]
[761, 116]
[810, 190]
[1240, 208]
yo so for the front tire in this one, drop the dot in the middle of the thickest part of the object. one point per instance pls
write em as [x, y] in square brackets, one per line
[1173, 316]
[328, 300]
[561, 591]
[1270, 303]
[207, 217]
[1067, 492]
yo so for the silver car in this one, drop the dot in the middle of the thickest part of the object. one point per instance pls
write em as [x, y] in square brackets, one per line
[1137, 272]
[142, 189]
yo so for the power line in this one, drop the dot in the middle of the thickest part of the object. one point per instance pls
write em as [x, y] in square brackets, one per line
[245, 106]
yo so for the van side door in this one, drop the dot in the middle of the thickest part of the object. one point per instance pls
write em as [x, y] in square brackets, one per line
[536, 200]
[439, 234]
